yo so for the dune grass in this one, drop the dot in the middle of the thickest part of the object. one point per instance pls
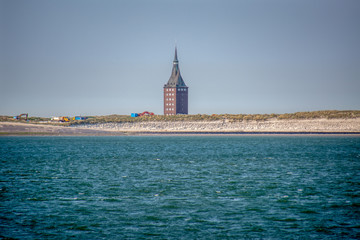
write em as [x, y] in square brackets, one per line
[331, 114]
[327, 114]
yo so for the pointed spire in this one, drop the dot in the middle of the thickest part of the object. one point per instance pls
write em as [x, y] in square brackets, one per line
[175, 78]
[175, 58]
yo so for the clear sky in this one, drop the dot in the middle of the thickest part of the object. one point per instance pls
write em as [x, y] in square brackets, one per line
[95, 57]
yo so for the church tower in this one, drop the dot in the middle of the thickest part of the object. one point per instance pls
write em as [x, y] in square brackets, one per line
[175, 92]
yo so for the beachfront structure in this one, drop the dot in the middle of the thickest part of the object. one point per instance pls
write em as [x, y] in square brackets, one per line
[175, 92]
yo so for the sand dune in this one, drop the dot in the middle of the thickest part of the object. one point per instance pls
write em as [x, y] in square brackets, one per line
[280, 126]
[16, 128]
[313, 125]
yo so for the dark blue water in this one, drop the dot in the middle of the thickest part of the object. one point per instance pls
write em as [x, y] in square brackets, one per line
[193, 187]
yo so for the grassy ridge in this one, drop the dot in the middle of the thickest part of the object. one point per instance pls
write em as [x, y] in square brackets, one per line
[331, 114]
[31, 119]
[328, 114]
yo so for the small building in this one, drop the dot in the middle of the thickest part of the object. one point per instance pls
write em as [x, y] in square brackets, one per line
[175, 92]
[79, 118]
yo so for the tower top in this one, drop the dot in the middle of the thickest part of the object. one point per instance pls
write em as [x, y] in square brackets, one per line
[175, 57]
[175, 79]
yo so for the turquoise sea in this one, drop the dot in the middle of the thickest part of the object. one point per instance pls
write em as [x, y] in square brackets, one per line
[180, 187]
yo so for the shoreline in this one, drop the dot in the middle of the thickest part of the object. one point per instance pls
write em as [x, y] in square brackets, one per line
[31, 134]
[30, 129]
[346, 127]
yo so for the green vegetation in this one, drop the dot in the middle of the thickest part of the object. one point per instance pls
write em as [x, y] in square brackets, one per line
[328, 114]
[22, 119]
[6, 119]
[38, 119]
[333, 114]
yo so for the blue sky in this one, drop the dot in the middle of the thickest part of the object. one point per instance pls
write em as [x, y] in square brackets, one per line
[87, 57]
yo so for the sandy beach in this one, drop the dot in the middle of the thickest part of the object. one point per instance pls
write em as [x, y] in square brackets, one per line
[21, 128]
[312, 126]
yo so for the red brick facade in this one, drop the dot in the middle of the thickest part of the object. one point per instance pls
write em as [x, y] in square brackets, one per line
[175, 100]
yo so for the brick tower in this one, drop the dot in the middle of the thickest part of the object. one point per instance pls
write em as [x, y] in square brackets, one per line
[175, 92]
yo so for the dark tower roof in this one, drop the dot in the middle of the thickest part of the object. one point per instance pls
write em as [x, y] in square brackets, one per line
[175, 79]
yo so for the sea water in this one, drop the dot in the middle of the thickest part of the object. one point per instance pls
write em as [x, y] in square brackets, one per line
[180, 187]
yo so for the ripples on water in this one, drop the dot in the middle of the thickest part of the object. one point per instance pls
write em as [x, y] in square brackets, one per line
[229, 187]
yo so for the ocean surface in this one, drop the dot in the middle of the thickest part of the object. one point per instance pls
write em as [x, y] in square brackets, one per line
[180, 187]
